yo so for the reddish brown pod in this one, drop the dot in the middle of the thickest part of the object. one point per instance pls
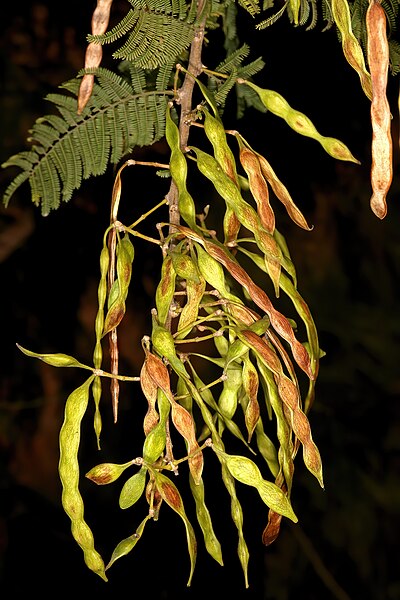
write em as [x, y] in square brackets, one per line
[381, 150]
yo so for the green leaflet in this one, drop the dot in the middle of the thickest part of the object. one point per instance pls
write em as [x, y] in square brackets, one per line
[62, 151]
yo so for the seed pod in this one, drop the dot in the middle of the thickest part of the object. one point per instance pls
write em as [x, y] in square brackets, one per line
[184, 266]
[165, 289]
[156, 439]
[301, 123]
[278, 188]
[250, 385]
[289, 394]
[237, 518]
[94, 52]
[382, 151]
[295, 8]
[55, 360]
[244, 212]
[99, 325]
[283, 427]
[101, 300]
[149, 389]
[228, 399]
[154, 444]
[303, 311]
[133, 489]
[212, 271]
[75, 408]
[181, 418]
[190, 312]
[125, 255]
[211, 542]
[215, 132]
[351, 47]
[278, 321]
[258, 187]
[126, 545]
[267, 448]
[172, 497]
[119, 290]
[106, 472]
[246, 471]
[178, 169]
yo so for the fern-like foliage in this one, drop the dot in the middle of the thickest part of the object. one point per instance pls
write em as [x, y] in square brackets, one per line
[231, 68]
[157, 32]
[67, 147]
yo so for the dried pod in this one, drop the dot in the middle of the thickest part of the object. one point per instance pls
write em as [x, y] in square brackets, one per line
[94, 52]
[382, 151]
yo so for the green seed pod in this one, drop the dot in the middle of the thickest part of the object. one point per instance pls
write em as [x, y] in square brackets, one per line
[125, 255]
[190, 311]
[101, 299]
[106, 472]
[178, 169]
[133, 489]
[154, 444]
[172, 497]
[237, 518]
[228, 399]
[244, 212]
[246, 471]
[351, 47]
[267, 448]
[184, 266]
[125, 546]
[221, 344]
[55, 360]
[212, 271]
[215, 132]
[301, 123]
[165, 290]
[72, 502]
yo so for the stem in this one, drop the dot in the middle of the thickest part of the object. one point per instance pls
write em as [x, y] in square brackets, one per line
[185, 95]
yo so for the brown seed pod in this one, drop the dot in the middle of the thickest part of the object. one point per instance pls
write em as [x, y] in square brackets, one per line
[378, 58]
[94, 52]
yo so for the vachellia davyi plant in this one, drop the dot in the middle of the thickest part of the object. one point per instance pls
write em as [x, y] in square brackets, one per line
[205, 292]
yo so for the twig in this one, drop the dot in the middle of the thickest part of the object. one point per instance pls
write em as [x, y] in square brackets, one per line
[185, 100]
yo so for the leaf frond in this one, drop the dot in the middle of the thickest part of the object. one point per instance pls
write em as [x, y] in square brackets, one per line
[67, 148]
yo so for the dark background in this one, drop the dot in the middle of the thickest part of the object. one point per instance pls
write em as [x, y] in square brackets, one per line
[346, 542]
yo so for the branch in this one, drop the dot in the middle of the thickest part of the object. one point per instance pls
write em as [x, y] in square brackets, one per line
[185, 100]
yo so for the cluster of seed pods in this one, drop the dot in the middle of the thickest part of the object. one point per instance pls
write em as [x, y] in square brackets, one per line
[207, 298]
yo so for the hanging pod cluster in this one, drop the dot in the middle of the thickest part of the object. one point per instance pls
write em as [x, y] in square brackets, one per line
[223, 366]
